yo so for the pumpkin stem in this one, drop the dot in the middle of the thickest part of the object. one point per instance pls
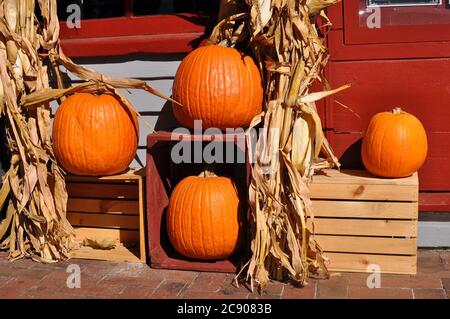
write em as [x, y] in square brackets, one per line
[208, 172]
[397, 110]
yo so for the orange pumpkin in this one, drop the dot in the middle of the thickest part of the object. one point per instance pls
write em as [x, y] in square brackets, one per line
[94, 135]
[395, 144]
[203, 217]
[218, 85]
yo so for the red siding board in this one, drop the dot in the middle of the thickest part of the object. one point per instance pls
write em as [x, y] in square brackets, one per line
[335, 15]
[434, 202]
[169, 43]
[421, 87]
[341, 52]
[120, 36]
[126, 26]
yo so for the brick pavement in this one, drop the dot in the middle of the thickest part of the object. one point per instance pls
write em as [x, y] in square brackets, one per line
[101, 279]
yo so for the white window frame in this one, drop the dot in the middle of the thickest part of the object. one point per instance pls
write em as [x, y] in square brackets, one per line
[370, 4]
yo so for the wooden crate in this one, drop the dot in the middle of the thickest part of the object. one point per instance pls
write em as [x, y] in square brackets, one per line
[109, 207]
[361, 220]
[163, 175]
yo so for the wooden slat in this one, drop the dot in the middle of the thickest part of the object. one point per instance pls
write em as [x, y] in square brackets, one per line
[124, 236]
[142, 243]
[110, 206]
[365, 209]
[361, 185]
[91, 190]
[362, 177]
[94, 180]
[103, 220]
[351, 191]
[118, 254]
[131, 174]
[359, 262]
[369, 245]
[364, 227]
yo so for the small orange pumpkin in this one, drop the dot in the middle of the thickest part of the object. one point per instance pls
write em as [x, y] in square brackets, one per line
[395, 144]
[203, 217]
[94, 135]
[218, 85]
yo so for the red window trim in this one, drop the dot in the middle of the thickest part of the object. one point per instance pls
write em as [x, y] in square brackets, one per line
[397, 34]
[342, 50]
[178, 33]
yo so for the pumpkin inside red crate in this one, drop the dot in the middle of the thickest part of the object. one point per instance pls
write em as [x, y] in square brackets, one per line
[163, 174]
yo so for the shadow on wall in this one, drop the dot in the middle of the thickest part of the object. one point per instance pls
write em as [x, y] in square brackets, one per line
[166, 119]
[131, 57]
[5, 156]
[351, 158]
[166, 122]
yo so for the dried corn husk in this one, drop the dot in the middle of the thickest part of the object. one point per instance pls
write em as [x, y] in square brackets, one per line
[33, 188]
[292, 55]
[315, 7]
[301, 145]
[100, 243]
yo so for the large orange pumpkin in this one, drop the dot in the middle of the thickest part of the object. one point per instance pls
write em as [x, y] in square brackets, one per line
[94, 135]
[218, 85]
[395, 144]
[203, 217]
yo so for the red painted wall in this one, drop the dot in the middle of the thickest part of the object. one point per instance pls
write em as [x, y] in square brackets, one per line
[386, 73]
[396, 65]
[127, 35]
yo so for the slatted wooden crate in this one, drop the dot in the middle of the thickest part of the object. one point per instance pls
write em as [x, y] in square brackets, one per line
[361, 220]
[163, 175]
[109, 207]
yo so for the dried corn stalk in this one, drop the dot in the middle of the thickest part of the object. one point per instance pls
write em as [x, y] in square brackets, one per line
[35, 223]
[289, 47]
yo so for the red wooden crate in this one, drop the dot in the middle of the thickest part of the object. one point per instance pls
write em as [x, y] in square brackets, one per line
[163, 175]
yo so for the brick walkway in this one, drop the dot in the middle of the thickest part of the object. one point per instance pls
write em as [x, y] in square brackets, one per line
[99, 279]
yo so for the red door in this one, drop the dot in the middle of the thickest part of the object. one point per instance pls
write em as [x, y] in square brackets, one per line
[395, 53]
